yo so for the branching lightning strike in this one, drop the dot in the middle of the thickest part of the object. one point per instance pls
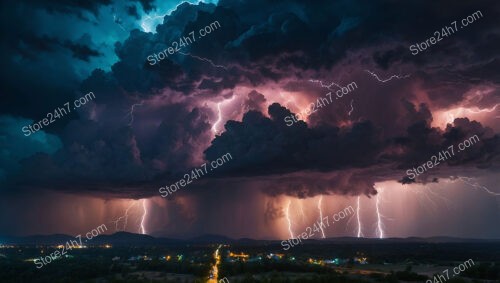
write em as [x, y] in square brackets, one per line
[386, 80]
[452, 114]
[468, 181]
[204, 59]
[124, 218]
[327, 86]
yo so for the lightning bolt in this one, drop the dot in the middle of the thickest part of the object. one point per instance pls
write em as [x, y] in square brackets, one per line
[118, 22]
[360, 234]
[219, 113]
[327, 86]
[131, 111]
[487, 110]
[352, 108]
[468, 181]
[321, 216]
[379, 217]
[451, 114]
[386, 80]
[143, 229]
[287, 215]
[203, 59]
[124, 218]
[214, 126]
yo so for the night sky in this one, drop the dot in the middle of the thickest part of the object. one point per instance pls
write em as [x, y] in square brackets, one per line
[231, 91]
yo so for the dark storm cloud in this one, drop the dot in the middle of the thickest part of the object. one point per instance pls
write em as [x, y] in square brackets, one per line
[81, 51]
[15, 146]
[255, 101]
[48, 50]
[147, 5]
[423, 141]
[132, 11]
[70, 6]
[115, 160]
[34, 46]
[262, 42]
[266, 146]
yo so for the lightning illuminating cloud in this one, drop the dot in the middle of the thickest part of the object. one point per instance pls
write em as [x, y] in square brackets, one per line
[149, 23]
[219, 115]
[460, 111]
[290, 100]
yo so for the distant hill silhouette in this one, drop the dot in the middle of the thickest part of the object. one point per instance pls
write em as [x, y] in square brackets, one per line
[132, 239]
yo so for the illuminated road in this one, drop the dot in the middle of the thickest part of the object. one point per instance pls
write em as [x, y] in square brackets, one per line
[215, 267]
